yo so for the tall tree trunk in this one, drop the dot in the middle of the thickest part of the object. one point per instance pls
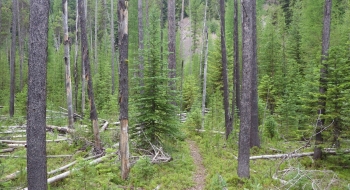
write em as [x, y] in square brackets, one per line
[254, 132]
[171, 44]
[324, 69]
[36, 107]
[20, 43]
[112, 47]
[66, 43]
[123, 87]
[76, 57]
[85, 58]
[236, 71]
[95, 48]
[205, 40]
[246, 104]
[182, 9]
[205, 75]
[83, 82]
[13, 58]
[228, 119]
[140, 22]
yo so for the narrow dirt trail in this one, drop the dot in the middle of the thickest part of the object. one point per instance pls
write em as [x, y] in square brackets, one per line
[199, 176]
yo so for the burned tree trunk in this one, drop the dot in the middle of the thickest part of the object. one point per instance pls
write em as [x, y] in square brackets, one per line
[171, 43]
[123, 87]
[85, 58]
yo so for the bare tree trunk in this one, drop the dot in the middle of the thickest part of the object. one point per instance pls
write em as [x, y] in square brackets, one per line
[123, 87]
[254, 132]
[324, 69]
[20, 43]
[205, 40]
[66, 43]
[76, 57]
[182, 9]
[171, 44]
[140, 22]
[236, 62]
[83, 82]
[228, 119]
[205, 76]
[95, 48]
[112, 47]
[36, 108]
[85, 54]
[13, 58]
[246, 104]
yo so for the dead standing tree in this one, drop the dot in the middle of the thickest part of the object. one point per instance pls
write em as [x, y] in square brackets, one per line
[85, 58]
[123, 86]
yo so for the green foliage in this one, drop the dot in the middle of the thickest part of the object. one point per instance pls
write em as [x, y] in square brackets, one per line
[190, 92]
[143, 169]
[270, 127]
[217, 183]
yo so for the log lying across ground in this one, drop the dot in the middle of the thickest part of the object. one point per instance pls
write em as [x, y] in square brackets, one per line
[48, 156]
[202, 130]
[60, 129]
[25, 142]
[104, 126]
[7, 150]
[294, 155]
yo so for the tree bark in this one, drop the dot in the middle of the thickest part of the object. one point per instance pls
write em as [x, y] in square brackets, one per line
[228, 119]
[13, 58]
[36, 107]
[171, 44]
[123, 86]
[205, 35]
[95, 48]
[20, 43]
[112, 47]
[76, 83]
[141, 46]
[254, 132]
[246, 104]
[66, 42]
[324, 70]
[85, 58]
[236, 74]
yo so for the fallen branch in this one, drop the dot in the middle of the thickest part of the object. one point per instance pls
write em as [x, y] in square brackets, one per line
[60, 129]
[293, 155]
[14, 131]
[48, 156]
[11, 176]
[25, 142]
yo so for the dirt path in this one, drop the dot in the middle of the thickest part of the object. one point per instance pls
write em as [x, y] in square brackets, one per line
[199, 176]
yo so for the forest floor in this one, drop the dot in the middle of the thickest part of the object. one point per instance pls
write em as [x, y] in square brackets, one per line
[199, 176]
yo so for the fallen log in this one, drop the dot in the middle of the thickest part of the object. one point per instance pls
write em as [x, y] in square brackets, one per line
[202, 130]
[7, 150]
[14, 131]
[48, 156]
[25, 142]
[293, 155]
[103, 128]
[16, 145]
[60, 129]
[11, 176]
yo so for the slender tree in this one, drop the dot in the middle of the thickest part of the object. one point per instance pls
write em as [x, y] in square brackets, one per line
[228, 119]
[36, 110]
[20, 44]
[254, 132]
[112, 47]
[13, 58]
[66, 42]
[76, 83]
[123, 86]
[324, 69]
[171, 43]
[246, 104]
[85, 58]
[205, 40]
[95, 47]
[237, 87]
[140, 27]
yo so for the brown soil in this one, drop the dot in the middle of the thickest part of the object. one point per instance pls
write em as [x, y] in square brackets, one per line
[199, 176]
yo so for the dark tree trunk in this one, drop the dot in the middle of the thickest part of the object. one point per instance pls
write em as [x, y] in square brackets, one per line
[140, 22]
[13, 58]
[246, 104]
[171, 43]
[254, 132]
[236, 61]
[228, 119]
[95, 45]
[85, 58]
[323, 71]
[123, 87]
[20, 44]
[112, 47]
[66, 43]
[36, 110]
